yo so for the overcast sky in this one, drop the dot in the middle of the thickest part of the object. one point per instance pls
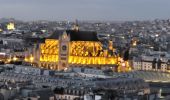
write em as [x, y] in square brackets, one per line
[85, 9]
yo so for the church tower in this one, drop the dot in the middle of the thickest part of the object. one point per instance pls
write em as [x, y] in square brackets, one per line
[63, 51]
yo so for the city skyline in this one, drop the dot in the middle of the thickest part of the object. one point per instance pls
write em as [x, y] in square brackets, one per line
[84, 50]
[110, 10]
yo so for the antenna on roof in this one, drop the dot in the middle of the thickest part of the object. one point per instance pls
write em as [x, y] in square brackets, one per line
[67, 25]
[76, 22]
[76, 26]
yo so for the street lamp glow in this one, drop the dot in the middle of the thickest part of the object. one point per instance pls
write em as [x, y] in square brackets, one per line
[31, 59]
[15, 58]
[123, 64]
[25, 59]
[156, 35]
[134, 43]
[8, 60]
[51, 68]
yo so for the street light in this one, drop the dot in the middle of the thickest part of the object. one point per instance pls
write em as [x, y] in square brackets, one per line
[15, 59]
[134, 43]
[156, 35]
[31, 59]
[26, 59]
[8, 60]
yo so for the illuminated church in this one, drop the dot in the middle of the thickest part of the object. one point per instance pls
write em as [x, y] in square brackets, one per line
[74, 48]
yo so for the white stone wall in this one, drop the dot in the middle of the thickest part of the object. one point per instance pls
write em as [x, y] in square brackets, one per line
[146, 65]
[163, 67]
[137, 65]
[27, 70]
[66, 97]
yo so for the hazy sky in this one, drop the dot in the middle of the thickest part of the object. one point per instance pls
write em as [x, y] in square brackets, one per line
[85, 9]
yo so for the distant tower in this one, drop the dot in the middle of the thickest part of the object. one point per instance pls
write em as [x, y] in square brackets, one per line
[76, 26]
[63, 51]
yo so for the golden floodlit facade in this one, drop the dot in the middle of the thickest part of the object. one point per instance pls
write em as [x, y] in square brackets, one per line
[75, 48]
[11, 26]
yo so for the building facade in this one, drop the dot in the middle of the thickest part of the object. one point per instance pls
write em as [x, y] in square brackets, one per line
[153, 63]
[73, 47]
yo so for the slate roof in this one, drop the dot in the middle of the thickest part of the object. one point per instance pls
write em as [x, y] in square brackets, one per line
[56, 34]
[34, 40]
[76, 35]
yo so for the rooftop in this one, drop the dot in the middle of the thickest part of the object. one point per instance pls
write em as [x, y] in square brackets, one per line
[76, 35]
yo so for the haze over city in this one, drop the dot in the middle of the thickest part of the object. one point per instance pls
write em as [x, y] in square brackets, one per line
[84, 49]
[115, 10]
